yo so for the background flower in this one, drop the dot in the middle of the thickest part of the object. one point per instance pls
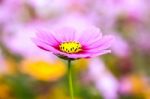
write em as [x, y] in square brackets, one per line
[46, 71]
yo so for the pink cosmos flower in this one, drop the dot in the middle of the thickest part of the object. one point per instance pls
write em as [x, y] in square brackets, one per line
[67, 43]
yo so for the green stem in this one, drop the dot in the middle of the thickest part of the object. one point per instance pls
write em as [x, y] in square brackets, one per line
[70, 79]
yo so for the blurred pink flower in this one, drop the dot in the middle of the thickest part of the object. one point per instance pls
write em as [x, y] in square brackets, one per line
[9, 10]
[111, 10]
[120, 47]
[75, 20]
[18, 39]
[104, 81]
[67, 43]
[125, 86]
[141, 41]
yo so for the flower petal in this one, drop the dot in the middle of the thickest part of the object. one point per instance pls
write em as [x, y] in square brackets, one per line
[88, 55]
[90, 35]
[103, 43]
[43, 45]
[47, 37]
[65, 34]
[75, 56]
[100, 53]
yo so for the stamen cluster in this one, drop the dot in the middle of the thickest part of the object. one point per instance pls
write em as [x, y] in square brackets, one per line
[70, 47]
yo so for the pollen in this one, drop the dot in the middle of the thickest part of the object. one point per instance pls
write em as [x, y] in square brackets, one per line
[71, 47]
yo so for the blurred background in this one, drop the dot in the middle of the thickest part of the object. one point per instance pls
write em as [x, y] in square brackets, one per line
[27, 72]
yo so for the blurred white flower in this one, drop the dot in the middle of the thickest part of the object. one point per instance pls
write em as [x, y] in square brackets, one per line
[44, 8]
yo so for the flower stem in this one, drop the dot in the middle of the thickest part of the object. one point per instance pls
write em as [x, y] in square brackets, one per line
[70, 79]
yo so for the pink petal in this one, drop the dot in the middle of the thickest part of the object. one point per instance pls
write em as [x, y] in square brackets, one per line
[103, 43]
[100, 48]
[65, 34]
[47, 37]
[100, 53]
[44, 45]
[90, 35]
[84, 55]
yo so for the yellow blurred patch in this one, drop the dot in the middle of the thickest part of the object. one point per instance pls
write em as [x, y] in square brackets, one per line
[4, 91]
[137, 84]
[44, 70]
[147, 91]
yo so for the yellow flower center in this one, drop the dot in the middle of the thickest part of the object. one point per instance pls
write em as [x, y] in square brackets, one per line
[70, 47]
